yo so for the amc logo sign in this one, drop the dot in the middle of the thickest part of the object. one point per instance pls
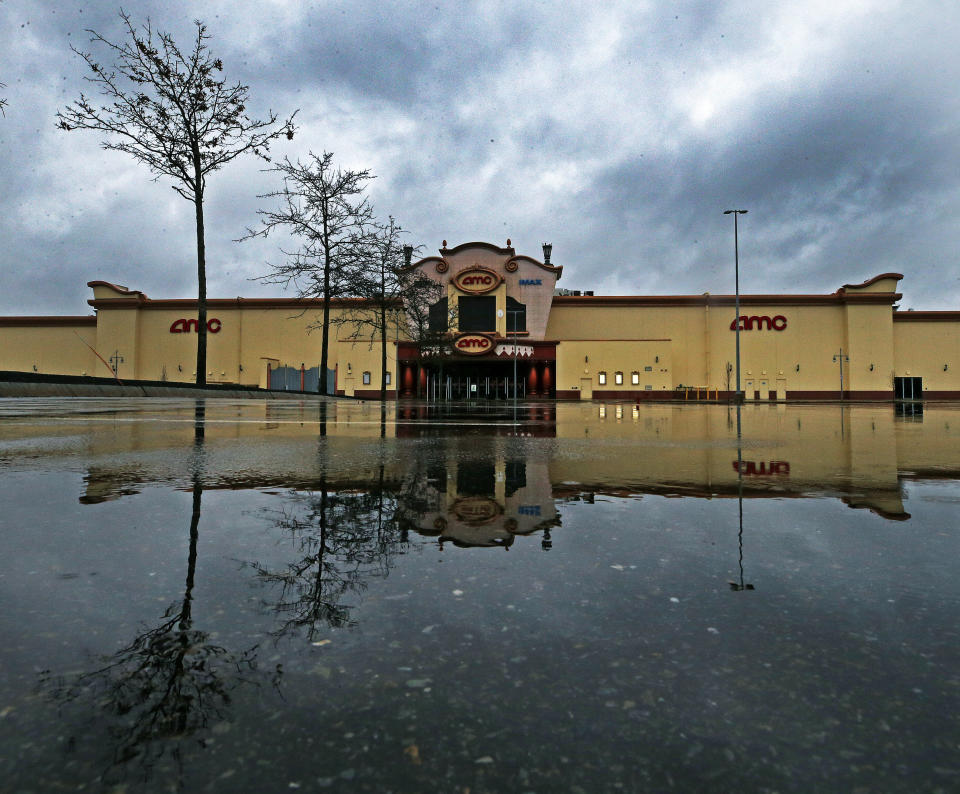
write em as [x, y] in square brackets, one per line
[778, 323]
[183, 326]
[477, 280]
[473, 344]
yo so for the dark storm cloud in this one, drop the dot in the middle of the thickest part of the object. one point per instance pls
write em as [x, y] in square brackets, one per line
[418, 53]
[618, 132]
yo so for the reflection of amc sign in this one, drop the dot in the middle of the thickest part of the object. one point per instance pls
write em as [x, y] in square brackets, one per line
[476, 509]
[473, 344]
[477, 280]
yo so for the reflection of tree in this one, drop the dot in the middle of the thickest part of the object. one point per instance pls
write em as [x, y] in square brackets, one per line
[171, 681]
[419, 494]
[343, 538]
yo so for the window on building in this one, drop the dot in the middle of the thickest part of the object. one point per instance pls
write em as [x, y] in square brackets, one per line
[477, 312]
[437, 477]
[388, 379]
[602, 378]
[635, 378]
[618, 378]
[516, 315]
[366, 378]
[648, 369]
[438, 316]
[648, 388]
[515, 474]
[479, 478]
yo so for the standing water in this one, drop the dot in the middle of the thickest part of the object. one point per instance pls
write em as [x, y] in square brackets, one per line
[247, 596]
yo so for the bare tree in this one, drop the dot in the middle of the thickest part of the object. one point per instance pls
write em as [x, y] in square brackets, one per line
[170, 110]
[3, 102]
[429, 320]
[324, 207]
[395, 296]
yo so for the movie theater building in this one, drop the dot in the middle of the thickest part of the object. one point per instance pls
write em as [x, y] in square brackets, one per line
[500, 312]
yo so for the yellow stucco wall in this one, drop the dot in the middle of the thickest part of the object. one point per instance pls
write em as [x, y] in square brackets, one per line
[667, 341]
[581, 363]
[699, 345]
[50, 349]
[924, 348]
[247, 340]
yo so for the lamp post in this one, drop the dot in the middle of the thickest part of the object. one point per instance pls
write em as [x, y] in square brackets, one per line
[738, 397]
[115, 361]
[514, 313]
[841, 358]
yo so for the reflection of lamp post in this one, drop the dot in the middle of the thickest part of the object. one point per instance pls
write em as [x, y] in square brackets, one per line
[739, 586]
[840, 358]
[736, 274]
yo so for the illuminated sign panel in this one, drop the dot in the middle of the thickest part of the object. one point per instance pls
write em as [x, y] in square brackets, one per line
[477, 280]
[473, 344]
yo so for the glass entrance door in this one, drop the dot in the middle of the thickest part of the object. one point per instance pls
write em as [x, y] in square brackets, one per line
[908, 388]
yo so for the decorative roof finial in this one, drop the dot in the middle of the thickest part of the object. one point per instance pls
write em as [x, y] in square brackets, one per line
[444, 243]
[508, 242]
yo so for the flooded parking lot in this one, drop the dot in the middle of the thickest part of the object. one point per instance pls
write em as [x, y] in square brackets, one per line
[246, 596]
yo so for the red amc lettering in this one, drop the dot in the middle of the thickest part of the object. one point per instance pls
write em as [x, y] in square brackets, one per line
[778, 323]
[476, 342]
[478, 280]
[185, 326]
[473, 344]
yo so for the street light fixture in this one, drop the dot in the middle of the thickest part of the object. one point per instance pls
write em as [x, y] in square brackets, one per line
[514, 313]
[842, 358]
[738, 397]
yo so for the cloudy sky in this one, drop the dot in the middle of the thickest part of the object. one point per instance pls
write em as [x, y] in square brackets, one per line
[618, 131]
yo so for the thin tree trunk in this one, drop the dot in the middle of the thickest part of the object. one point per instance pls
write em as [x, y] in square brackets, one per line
[201, 275]
[325, 330]
[383, 352]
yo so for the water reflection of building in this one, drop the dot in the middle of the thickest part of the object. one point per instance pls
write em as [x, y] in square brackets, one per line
[485, 499]
[860, 454]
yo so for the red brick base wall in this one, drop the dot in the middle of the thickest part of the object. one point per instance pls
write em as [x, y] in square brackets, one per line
[373, 394]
